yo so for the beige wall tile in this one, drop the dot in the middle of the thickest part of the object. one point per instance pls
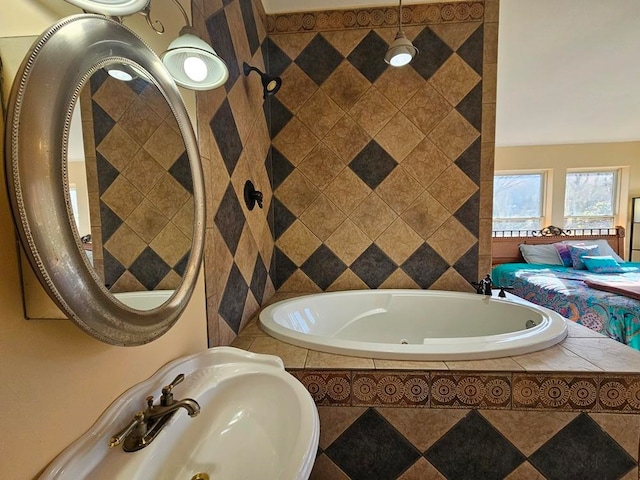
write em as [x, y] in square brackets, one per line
[296, 88]
[399, 189]
[427, 108]
[455, 79]
[399, 137]
[399, 241]
[425, 215]
[321, 166]
[347, 191]
[373, 216]
[345, 85]
[298, 242]
[346, 139]
[322, 217]
[399, 85]
[348, 242]
[372, 111]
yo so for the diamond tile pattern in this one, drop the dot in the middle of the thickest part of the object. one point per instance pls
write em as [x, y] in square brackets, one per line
[401, 133]
[319, 59]
[474, 449]
[348, 154]
[579, 459]
[459, 443]
[133, 182]
[382, 451]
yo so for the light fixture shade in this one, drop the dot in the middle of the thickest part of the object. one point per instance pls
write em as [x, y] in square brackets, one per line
[193, 63]
[401, 51]
[111, 8]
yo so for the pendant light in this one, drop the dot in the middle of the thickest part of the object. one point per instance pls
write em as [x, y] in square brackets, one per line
[191, 61]
[401, 51]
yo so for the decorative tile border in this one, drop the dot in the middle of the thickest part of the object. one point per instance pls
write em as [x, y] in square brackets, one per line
[470, 390]
[326, 388]
[486, 390]
[397, 389]
[375, 17]
[619, 394]
[555, 392]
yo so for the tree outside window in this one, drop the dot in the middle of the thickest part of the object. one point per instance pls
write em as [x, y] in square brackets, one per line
[590, 199]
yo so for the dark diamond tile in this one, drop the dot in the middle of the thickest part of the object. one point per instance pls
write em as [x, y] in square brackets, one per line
[137, 85]
[277, 115]
[373, 164]
[229, 219]
[471, 50]
[181, 171]
[277, 60]
[250, 25]
[471, 107]
[258, 279]
[373, 266]
[102, 123]
[97, 79]
[109, 222]
[467, 265]
[319, 59]
[433, 53]
[220, 38]
[368, 56]
[572, 453]
[181, 266]
[469, 162]
[281, 268]
[473, 449]
[382, 453]
[226, 134]
[282, 218]
[234, 298]
[226, 2]
[271, 219]
[149, 269]
[323, 267]
[107, 173]
[469, 214]
[424, 266]
[113, 269]
[281, 168]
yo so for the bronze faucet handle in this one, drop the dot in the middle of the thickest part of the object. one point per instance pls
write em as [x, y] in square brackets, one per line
[167, 396]
[175, 382]
[149, 401]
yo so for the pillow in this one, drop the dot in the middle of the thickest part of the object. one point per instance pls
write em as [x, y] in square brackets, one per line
[577, 251]
[540, 254]
[603, 264]
[564, 253]
[603, 245]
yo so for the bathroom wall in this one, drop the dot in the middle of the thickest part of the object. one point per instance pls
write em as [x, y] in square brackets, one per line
[140, 187]
[436, 443]
[235, 147]
[57, 379]
[382, 175]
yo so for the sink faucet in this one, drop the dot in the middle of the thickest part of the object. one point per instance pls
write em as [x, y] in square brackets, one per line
[146, 424]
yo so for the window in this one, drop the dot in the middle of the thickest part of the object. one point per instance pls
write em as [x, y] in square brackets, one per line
[590, 199]
[518, 201]
[73, 196]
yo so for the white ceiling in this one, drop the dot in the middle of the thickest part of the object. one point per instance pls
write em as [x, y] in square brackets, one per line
[568, 70]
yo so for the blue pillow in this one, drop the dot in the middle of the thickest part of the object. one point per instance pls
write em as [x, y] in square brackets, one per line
[601, 264]
[579, 251]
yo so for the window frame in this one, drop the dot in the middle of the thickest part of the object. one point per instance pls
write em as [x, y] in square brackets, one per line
[545, 177]
[615, 201]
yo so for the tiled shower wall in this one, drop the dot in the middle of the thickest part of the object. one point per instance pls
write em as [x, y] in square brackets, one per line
[379, 172]
[139, 185]
[235, 147]
[381, 176]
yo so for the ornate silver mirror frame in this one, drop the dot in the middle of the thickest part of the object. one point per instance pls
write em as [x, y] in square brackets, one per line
[41, 105]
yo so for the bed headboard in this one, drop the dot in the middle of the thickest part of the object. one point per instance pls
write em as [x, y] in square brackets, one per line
[505, 245]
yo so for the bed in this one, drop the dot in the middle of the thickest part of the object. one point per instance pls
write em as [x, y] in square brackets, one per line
[565, 289]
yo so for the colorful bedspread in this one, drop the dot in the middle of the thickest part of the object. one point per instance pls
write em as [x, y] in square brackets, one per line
[564, 290]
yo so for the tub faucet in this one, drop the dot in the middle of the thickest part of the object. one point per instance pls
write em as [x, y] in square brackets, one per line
[146, 424]
[484, 286]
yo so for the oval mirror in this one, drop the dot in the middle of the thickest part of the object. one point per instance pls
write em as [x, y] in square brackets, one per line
[76, 267]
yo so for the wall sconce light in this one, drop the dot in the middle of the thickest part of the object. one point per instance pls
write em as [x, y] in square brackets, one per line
[191, 61]
[270, 84]
[401, 51]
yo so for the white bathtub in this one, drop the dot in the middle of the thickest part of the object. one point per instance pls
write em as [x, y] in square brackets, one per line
[413, 324]
[144, 300]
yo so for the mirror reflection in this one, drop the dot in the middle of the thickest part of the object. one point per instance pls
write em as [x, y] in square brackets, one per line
[130, 187]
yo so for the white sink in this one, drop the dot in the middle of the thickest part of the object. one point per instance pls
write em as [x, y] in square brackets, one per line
[257, 422]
